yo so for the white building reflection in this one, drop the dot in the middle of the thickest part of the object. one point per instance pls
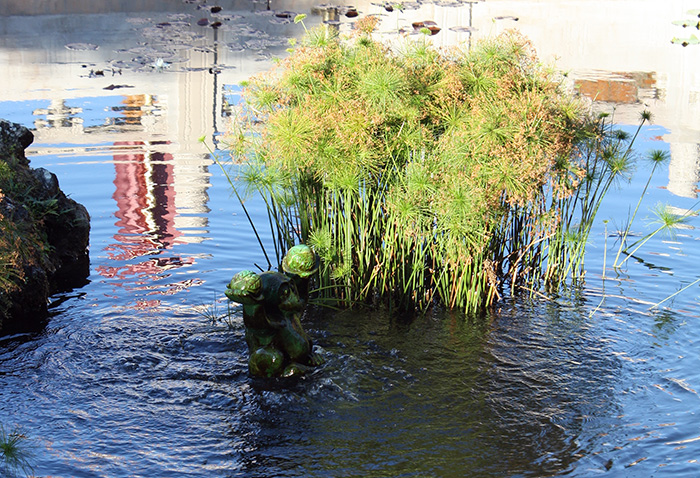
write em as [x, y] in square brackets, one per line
[616, 51]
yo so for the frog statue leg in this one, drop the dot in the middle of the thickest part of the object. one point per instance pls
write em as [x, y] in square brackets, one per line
[266, 362]
[264, 358]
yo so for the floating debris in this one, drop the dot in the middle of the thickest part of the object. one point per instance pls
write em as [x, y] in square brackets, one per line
[226, 17]
[138, 20]
[286, 14]
[693, 40]
[462, 29]
[203, 22]
[427, 26]
[115, 87]
[686, 23]
[160, 65]
[351, 12]
[179, 16]
[236, 47]
[410, 6]
[215, 9]
[204, 49]
[81, 46]
[507, 17]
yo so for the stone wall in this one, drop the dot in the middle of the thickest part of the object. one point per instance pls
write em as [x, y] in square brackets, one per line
[44, 235]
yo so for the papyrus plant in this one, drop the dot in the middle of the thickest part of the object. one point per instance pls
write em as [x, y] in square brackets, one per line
[424, 176]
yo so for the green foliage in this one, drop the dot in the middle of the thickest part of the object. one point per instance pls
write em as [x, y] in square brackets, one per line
[14, 456]
[423, 177]
[214, 315]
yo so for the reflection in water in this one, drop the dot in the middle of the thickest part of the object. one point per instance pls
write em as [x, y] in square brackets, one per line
[684, 169]
[58, 115]
[145, 194]
[158, 191]
[617, 88]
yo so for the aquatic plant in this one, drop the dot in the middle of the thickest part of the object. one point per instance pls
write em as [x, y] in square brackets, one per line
[656, 157]
[425, 177]
[14, 455]
[667, 222]
[214, 315]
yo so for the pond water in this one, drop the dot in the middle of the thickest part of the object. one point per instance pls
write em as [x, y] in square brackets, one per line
[129, 379]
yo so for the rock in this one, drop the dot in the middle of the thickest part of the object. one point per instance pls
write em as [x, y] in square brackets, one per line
[48, 181]
[14, 138]
[43, 239]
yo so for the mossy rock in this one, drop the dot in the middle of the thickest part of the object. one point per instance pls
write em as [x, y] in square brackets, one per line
[43, 239]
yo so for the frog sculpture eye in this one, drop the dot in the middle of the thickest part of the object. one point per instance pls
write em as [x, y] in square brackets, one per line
[284, 292]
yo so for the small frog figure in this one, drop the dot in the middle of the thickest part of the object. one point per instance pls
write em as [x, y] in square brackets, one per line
[272, 308]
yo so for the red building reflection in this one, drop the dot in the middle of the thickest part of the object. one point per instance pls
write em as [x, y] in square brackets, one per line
[145, 197]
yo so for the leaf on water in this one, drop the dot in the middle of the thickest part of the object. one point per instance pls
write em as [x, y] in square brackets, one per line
[636, 462]
[682, 23]
[463, 29]
[693, 40]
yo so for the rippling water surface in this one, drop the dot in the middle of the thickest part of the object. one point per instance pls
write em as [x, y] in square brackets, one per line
[129, 379]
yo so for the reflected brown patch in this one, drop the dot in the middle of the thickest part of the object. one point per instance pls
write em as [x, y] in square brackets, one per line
[616, 88]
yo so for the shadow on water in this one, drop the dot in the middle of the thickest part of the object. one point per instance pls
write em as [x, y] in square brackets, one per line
[435, 397]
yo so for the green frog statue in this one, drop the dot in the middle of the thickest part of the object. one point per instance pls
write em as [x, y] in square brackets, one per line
[273, 303]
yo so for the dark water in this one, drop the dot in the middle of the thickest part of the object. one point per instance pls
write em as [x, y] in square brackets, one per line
[130, 379]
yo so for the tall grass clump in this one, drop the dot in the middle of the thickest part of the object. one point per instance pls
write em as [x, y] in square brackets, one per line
[425, 177]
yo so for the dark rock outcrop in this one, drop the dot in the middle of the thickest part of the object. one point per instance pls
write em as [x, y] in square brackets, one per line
[43, 235]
